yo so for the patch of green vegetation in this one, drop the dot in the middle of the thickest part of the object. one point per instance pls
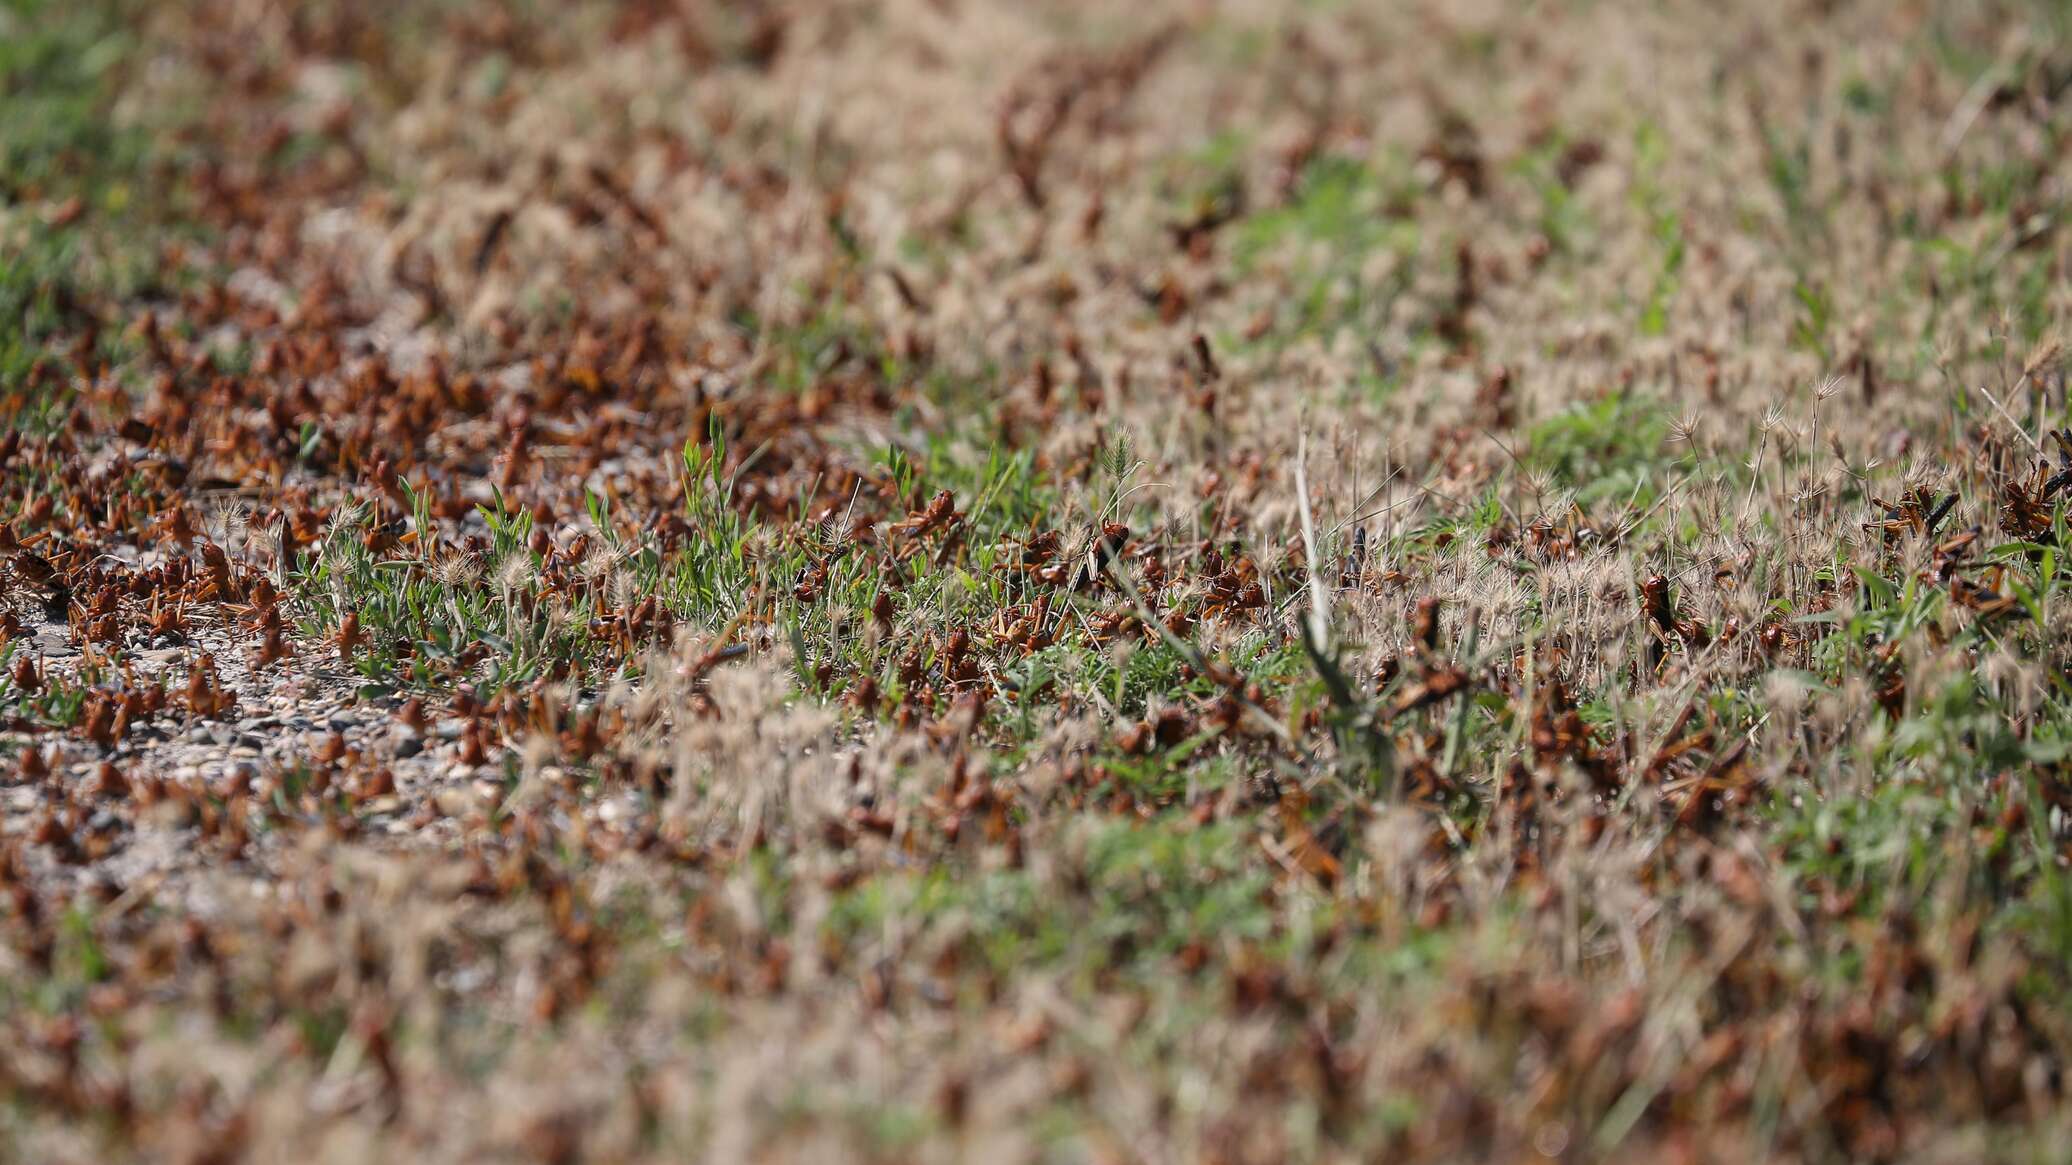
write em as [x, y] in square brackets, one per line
[1788, 163]
[1944, 795]
[1561, 220]
[426, 617]
[68, 180]
[434, 617]
[1209, 181]
[806, 352]
[1609, 449]
[1664, 223]
[1884, 840]
[1341, 201]
[1136, 896]
[1816, 318]
[54, 700]
[1966, 268]
[2044, 919]
[1343, 211]
[1157, 887]
[1862, 96]
[58, 66]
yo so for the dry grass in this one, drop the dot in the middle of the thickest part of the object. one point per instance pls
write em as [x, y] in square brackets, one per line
[659, 581]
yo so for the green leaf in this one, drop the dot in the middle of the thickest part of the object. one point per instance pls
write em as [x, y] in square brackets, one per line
[1881, 588]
